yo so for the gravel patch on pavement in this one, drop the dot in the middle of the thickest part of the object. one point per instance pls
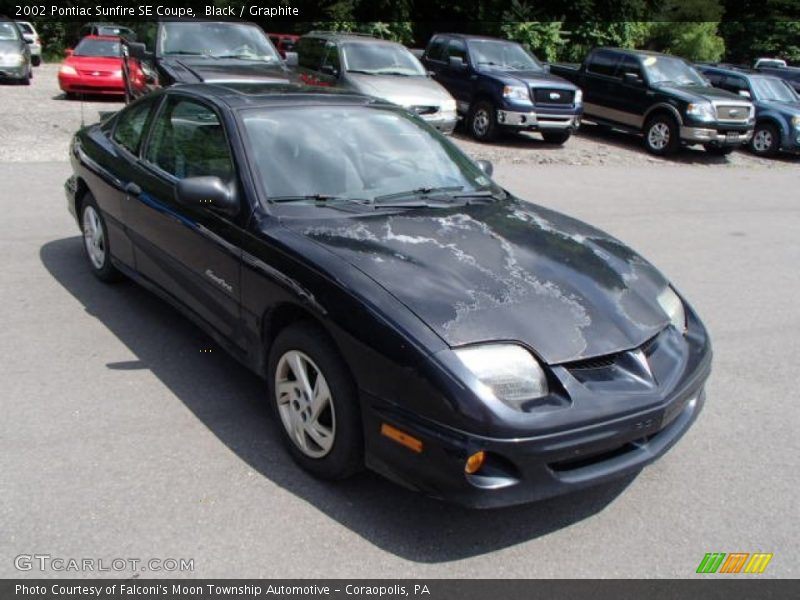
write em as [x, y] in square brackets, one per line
[37, 123]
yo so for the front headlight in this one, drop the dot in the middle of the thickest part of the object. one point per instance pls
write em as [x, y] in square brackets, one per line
[516, 92]
[796, 122]
[510, 372]
[448, 105]
[703, 111]
[67, 70]
[673, 307]
[579, 97]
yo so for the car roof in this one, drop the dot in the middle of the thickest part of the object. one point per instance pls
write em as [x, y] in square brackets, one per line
[250, 95]
[639, 53]
[349, 36]
[108, 38]
[734, 72]
[474, 37]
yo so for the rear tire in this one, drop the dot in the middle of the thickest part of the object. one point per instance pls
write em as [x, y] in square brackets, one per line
[320, 423]
[36, 60]
[95, 241]
[556, 137]
[661, 135]
[766, 140]
[483, 121]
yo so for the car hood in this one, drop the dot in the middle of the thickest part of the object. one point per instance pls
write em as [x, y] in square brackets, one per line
[787, 108]
[211, 70]
[405, 91]
[505, 271]
[94, 63]
[691, 93]
[532, 79]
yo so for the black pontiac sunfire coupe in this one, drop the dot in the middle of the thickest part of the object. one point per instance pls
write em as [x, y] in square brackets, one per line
[407, 313]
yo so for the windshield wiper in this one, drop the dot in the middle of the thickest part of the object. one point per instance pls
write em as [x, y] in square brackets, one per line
[245, 57]
[363, 72]
[480, 194]
[317, 198]
[419, 193]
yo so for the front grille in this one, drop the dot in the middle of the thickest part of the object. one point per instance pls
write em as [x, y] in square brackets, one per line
[729, 112]
[424, 110]
[599, 362]
[97, 73]
[571, 464]
[552, 96]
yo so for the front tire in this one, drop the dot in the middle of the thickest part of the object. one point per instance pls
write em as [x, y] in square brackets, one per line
[483, 121]
[95, 241]
[315, 402]
[766, 140]
[36, 60]
[556, 137]
[661, 135]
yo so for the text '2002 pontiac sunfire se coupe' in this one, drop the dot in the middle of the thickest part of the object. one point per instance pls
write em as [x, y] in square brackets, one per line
[407, 313]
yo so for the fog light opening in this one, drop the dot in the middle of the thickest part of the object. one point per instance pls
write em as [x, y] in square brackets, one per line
[475, 462]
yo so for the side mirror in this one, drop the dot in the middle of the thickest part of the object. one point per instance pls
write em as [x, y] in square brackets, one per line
[137, 50]
[485, 166]
[744, 93]
[456, 62]
[210, 193]
[291, 59]
[69, 51]
[631, 79]
[28, 40]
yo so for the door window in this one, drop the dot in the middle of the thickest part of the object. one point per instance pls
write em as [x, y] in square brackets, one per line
[188, 140]
[130, 125]
[629, 64]
[437, 49]
[332, 59]
[602, 62]
[310, 52]
[457, 48]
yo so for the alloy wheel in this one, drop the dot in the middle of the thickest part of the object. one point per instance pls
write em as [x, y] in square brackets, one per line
[762, 140]
[93, 237]
[658, 135]
[305, 404]
[480, 122]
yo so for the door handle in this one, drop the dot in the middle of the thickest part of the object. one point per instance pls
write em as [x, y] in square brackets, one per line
[132, 189]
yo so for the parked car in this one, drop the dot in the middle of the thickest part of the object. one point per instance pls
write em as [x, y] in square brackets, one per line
[34, 41]
[107, 29]
[789, 74]
[407, 313]
[189, 51]
[776, 63]
[499, 85]
[283, 42]
[94, 66]
[777, 108]
[661, 96]
[15, 54]
[379, 68]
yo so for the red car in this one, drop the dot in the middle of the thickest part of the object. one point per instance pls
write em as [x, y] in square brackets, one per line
[283, 42]
[93, 67]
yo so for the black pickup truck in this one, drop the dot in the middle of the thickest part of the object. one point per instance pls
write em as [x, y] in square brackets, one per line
[498, 85]
[194, 51]
[662, 97]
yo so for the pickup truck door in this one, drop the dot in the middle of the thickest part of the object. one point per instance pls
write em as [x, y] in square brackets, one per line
[633, 96]
[455, 79]
[600, 86]
[191, 254]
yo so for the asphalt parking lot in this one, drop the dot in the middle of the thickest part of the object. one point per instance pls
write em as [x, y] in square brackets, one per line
[121, 438]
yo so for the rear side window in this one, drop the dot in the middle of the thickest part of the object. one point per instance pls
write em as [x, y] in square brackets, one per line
[188, 140]
[714, 78]
[310, 52]
[735, 84]
[130, 125]
[602, 62]
[436, 51]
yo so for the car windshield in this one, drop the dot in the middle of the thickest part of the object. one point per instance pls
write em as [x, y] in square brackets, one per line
[381, 59]
[8, 32]
[667, 69]
[354, 152]
[215, 40]
[503, 55]
[25, 27]
[772, 88]
[93, 47]
[120, 31]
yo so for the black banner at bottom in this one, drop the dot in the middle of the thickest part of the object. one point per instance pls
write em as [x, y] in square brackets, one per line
[482, 589]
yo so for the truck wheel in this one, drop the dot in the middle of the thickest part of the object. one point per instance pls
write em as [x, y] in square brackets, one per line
[766, 140]
[720, 150]
[36, 60]
[556, 137]
[483, 121]
[661, 135]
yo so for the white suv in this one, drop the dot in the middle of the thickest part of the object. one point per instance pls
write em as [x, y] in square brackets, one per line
[34, 42]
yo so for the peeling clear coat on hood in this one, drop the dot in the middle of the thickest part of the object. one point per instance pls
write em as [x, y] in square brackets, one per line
[505, 272]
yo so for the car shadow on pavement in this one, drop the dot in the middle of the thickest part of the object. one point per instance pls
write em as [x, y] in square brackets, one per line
[396, 520]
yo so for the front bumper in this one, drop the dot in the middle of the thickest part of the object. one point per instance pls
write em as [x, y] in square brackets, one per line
[537, 121]
[443, 121]
[19, 72]
[78, 84]
[703, 135]
[526, 469]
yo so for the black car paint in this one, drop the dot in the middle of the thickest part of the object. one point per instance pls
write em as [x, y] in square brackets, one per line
[287, 262]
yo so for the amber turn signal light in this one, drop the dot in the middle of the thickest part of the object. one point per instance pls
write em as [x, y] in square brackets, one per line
[475, 462]
[400, 437]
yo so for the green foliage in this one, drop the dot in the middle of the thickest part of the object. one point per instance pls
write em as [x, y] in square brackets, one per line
[695, 41]
[397, 31]
[748, 40]
[586, 35]
[543, 38]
